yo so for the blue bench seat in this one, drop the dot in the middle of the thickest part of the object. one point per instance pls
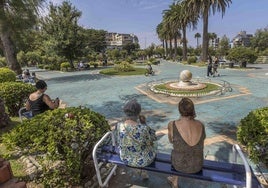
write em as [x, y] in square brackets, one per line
[215, 171]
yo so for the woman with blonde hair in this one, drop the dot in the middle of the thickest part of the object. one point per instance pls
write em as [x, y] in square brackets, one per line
[187, 136]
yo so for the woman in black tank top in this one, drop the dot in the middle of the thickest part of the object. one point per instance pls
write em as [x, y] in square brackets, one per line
[38, 101]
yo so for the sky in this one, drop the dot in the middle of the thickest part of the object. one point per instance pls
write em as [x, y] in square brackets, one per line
[141, 17]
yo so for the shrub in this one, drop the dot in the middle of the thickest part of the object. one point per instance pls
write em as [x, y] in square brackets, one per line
[47, 67]
[151, 59]
[3, 62]
[63, 140]
[191, 59]
[15, 94]
[94, 64]
[117, 62]
[242, 55]
[40, 66]
[7, 75]
[124, 67]
[65, 66]
[253, 133]
[129, 60]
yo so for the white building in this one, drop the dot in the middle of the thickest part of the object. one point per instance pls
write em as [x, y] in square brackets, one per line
[117, 40]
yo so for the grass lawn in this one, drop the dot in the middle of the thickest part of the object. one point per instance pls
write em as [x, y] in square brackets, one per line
[112, 72]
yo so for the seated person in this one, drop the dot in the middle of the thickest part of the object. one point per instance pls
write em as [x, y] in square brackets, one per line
[40, 102]
[26, 76]
[135, 140]
[187, 136]
[80, 65]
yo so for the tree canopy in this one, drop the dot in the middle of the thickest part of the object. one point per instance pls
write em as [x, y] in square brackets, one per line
[15, 17]
[62, 31]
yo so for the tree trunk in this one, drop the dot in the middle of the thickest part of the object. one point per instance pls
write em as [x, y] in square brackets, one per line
[170, 48]
[9, 52]
[184, 44]
[166, 48]
[175, 48]
[205, 35]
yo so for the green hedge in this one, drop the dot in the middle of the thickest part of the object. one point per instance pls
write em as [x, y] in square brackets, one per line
[65, 66]
[64, 137]
[124, 67]
[7, 75]
[191, 59]
[253, 133]
[3, 62]
[14, 95]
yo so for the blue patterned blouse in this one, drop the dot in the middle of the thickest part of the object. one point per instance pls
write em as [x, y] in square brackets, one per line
[136, 144]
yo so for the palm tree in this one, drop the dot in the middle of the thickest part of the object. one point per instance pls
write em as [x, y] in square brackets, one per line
[204, 8]
[169, 29]
[185, 19]
[177, 18]
[197, 36]
[161, 35]
[171, 17]
[15, 16]
[213, 38]
[210, 39]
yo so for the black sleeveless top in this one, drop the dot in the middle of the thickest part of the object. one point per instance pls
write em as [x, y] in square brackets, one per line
[186, 158]
[38, 106]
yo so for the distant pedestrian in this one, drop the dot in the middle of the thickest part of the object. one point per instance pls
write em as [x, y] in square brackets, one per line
[209, 67]
[215, 67]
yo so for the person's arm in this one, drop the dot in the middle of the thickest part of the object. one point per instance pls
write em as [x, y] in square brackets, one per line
[50, 103]
[170, 132]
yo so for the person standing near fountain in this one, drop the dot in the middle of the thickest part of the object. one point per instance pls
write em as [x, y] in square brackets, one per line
[209, 69]
[187, 136]
[215, 67]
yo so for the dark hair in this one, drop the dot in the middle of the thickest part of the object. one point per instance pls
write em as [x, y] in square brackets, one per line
[132, 108]
[186, 107]
[40, 84]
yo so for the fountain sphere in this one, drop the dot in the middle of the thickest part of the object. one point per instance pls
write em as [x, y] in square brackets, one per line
[185, 75]
[185, 83]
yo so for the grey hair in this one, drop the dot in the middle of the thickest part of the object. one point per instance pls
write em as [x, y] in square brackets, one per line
[132, 109]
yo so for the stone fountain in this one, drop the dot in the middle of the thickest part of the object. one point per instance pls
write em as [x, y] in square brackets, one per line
[185, 82]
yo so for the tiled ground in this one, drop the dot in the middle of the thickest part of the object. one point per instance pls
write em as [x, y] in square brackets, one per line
[220, 114]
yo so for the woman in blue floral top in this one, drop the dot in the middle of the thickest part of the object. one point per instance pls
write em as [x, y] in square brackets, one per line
[135, 139]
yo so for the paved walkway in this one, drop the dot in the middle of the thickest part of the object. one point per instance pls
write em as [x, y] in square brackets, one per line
[221, 114]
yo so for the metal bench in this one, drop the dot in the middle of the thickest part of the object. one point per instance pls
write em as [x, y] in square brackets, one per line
[215, 171]
[23, 113]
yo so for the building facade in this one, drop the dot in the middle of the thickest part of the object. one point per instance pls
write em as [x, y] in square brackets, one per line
[242, 39]
[117, 40]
